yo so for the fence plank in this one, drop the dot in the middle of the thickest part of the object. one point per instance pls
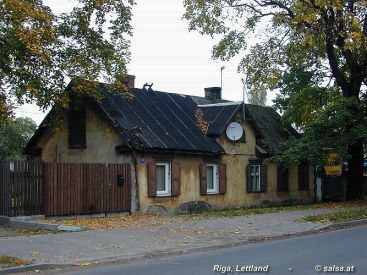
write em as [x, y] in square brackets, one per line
[63, 188]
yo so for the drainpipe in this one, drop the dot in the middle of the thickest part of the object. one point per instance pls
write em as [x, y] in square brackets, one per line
[136, 182]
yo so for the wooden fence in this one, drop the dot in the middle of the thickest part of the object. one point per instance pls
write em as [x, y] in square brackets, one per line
[55, 189]
[72, 189]
[21, 188]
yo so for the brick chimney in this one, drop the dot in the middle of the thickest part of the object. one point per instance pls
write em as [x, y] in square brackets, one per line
[130, 80]
[213, 93]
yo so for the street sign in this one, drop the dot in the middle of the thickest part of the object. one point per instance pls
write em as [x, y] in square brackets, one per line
[333, 165]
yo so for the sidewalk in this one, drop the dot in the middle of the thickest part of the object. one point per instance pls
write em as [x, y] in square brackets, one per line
[94, 246]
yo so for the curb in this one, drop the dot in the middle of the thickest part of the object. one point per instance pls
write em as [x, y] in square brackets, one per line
[346, 224]
[28, 222]
[173, 252]
[32, 267]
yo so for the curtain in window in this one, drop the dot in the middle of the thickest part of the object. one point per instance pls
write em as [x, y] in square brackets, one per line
[161, 178]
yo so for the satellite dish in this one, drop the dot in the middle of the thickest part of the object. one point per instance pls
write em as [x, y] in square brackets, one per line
[234, 131]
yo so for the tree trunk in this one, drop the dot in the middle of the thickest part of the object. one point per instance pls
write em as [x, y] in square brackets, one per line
[355, 171]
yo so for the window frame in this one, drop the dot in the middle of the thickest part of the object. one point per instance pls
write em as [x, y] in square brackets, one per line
[168, 179]
[258, 174]
[215, 189]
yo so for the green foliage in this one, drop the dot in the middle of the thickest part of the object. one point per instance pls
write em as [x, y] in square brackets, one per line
[313, 51]
[325, 36]
[294, 80]
[41, 51]
[328, 128]
[14, 135]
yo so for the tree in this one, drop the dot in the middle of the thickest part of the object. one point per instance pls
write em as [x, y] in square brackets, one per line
[257, 95]
[14, 136]
[41, 51]
[327, 36]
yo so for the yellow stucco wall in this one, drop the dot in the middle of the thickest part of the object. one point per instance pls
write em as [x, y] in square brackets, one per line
[236, 159]
[101, 143]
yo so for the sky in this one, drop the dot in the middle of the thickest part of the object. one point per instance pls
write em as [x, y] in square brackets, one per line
[165, 53]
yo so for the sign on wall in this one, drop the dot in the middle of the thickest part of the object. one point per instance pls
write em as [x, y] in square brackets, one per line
[333, 166]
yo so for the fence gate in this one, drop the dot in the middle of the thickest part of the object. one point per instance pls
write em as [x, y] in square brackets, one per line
[86, 188]
[21, 188]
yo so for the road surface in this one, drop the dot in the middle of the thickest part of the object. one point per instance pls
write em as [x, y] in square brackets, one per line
[332, 251]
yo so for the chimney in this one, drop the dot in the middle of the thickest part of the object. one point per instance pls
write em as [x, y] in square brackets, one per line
[130, 80]
[213, 93]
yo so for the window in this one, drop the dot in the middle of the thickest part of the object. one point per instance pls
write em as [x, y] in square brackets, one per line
[282, 179]
[303, 177]
[163, 179]
[212, 178]
[255, 178]
[77, 128]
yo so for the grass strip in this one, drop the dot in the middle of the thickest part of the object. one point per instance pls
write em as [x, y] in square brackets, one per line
[8, 261]
[346, 216]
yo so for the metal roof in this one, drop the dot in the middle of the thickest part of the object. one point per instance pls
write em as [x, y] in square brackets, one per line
[155, 120]
[219, 115]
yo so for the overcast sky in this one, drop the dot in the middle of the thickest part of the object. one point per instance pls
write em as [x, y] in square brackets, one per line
[165, 53]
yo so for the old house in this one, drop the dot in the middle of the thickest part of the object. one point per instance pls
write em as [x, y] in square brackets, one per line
[184, 150]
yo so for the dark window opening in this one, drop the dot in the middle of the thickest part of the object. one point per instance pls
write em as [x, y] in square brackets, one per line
[282, 179]
[77, 128]
[303, 177]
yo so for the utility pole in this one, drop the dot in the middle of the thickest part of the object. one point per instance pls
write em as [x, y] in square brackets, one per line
[244, 89]
[244, 98]
[221, 77]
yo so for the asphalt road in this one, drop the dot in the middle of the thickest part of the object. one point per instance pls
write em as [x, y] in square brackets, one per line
[331, 251]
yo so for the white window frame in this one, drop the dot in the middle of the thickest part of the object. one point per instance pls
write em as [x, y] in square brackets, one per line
[255, 174]
[215, 189]
[167, 184]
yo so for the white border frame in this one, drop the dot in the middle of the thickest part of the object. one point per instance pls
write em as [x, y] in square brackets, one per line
[215, 189]
[167, 176]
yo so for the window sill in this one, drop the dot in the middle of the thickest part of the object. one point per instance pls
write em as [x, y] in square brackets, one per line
[77, 147]
[255, 192]
[163, 195]
[212, 192]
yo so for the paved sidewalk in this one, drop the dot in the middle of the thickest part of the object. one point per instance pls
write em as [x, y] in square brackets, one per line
[99, 245]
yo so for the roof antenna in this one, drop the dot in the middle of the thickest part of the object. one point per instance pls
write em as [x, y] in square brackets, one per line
[244, 98]
[221, 79]
[147, 87]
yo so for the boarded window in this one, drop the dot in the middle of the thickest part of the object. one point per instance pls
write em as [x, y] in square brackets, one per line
[77, 128]
[303, 176]
[256, 177]
[282, 179]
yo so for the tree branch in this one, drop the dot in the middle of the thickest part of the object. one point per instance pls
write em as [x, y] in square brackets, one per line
[330, 51]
